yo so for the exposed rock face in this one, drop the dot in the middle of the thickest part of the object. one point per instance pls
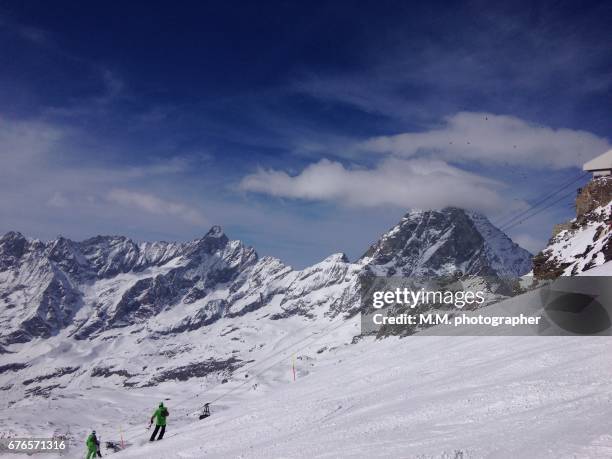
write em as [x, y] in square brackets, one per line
[37, 295]
[438, 243]
[585, 244]
[12, 248]
[597, 193]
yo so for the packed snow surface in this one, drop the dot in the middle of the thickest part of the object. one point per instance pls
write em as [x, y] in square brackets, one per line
[420, 396]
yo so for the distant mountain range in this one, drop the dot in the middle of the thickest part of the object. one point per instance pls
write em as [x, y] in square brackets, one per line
[107, 282]
[110, 311]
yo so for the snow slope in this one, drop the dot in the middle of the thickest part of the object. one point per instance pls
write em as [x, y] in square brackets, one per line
[420, 396]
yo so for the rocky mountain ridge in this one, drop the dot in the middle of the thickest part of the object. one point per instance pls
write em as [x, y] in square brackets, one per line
[108, 282]
[109, 311]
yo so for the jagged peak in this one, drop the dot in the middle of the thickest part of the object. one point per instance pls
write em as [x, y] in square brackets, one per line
[215, 239]
[421, 215]
[12, 236]
[412, 214]
[435, 240]
[339, 257]
[417, 213]
[271, 260]
[13, 244]
[61, 243]
[61, 240]
[450, 212]
[216, 231]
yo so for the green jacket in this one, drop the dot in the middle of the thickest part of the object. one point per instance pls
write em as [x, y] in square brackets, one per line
[160, 419]
[92, 443]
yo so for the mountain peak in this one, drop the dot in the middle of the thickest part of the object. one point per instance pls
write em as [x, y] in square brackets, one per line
[215, 231]
[12, 236]
[215, 239]
[12, 247]
[441, 242]
[339, 257]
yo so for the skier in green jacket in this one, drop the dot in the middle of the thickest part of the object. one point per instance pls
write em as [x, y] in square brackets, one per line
[160, 415]
[93, 446]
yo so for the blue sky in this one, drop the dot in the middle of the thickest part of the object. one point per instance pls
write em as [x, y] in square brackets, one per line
[303, 128]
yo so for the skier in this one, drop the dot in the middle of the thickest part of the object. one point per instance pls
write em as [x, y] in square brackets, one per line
[93, 446]
[160, 415]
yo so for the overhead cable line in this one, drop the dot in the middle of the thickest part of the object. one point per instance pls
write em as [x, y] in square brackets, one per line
[538, 211]
[507, 221]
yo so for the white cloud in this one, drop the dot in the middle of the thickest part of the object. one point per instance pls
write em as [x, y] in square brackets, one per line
[58, 200]
[489, 138]
[394, 182]
[24, 141]
[152, 204]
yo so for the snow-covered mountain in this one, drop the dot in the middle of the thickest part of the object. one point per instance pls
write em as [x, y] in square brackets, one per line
[107, 282]
[435, 243]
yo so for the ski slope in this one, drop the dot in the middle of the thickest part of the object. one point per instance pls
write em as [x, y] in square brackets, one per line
[422, 396]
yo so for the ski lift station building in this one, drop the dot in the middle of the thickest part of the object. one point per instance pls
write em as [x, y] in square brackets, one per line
[601, 165]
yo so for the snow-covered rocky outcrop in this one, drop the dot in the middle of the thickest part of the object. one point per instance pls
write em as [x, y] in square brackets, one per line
[586, 241]
[586, 244]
